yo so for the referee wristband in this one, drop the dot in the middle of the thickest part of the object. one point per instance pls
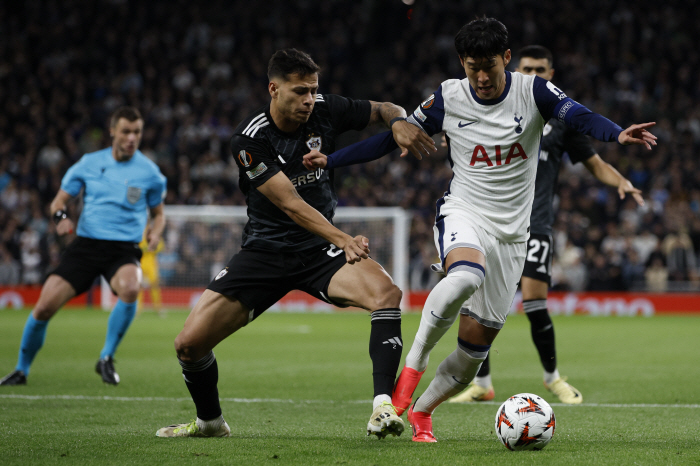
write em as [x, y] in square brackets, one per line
[394, 120]
[58, 216]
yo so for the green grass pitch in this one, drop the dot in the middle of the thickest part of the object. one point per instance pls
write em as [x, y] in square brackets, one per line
[296, 389]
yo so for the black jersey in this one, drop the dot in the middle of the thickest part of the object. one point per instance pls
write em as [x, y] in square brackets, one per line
[261, 150]
[557, 139]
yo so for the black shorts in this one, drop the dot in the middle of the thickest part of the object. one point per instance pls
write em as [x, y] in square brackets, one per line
[259, 279]
[538, 262]
[85, 259]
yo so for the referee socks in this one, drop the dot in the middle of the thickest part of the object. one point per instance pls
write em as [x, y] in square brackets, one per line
[32, 341]
[119, 321]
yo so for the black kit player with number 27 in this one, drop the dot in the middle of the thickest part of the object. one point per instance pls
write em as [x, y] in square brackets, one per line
[290, 243]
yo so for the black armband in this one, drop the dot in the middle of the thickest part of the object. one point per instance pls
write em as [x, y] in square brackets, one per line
[58, 216]
[394, 120]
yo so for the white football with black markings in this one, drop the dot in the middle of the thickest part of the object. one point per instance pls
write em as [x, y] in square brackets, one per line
[525, 422]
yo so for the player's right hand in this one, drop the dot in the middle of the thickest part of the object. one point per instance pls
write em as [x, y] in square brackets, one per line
[412, 139]
[314, 160]
[638, 134]
[65, 226]
[356, 249]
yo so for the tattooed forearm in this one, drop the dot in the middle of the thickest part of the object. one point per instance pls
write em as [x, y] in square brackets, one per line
[384, 112]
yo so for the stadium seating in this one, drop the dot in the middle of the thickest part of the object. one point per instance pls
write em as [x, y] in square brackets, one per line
[196, 74]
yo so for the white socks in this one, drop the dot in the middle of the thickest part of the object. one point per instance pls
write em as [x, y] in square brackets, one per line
[211, 426]
[379, 399]
[439, 313]
[550, 377]
[484, 382]
[452, 376]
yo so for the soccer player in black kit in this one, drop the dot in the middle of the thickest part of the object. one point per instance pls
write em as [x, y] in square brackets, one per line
[557, 139]
[290, 243]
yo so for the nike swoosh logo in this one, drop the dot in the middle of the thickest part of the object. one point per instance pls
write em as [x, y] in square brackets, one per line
[438, 317]
[466, 124]
[461, 383]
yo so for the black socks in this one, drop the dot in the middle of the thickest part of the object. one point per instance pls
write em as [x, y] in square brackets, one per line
[385, 346]
[543, 337]
[201, 378]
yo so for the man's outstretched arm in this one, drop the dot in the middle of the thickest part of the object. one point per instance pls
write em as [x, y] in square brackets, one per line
[409, 137]
[554, 103]
[364, 151]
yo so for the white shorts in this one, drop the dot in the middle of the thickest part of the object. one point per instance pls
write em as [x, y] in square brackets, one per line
[491, 302]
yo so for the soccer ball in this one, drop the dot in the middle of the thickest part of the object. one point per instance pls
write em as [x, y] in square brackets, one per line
[525, 422]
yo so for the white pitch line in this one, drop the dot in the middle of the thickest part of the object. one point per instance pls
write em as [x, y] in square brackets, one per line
[629, 405]
[279, 400]
[161, 398]
[604, 405]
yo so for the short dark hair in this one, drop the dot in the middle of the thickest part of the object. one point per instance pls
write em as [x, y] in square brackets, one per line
[482, 38]
[290, 61]
[130, 113]
[537, 52]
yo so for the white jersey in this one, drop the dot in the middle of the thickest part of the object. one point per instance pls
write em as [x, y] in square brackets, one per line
[493, 149]
[493, 146]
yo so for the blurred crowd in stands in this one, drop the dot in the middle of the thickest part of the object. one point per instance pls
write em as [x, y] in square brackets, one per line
[195, 70]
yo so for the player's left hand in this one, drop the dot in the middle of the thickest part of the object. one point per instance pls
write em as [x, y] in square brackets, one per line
[314, 160]
[626, 187]
[638, 134]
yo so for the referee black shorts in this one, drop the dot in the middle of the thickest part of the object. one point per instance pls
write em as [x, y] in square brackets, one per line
[259, 279]
[538, 261]
[85, 259]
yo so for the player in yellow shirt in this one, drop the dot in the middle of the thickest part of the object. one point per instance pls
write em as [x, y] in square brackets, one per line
[149, 266]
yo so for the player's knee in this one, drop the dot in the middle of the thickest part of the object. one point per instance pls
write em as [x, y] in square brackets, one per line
[185, 350]
[388, 297]
[465, 280]
[472, 353]
[190, 348]
[43, 311]
[129, 292]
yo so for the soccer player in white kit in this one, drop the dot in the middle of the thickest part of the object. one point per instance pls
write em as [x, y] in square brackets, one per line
[493, 122]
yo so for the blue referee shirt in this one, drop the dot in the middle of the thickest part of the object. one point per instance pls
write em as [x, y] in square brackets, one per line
[117, 195]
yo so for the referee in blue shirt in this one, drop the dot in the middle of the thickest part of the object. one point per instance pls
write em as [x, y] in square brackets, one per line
[120, 186]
